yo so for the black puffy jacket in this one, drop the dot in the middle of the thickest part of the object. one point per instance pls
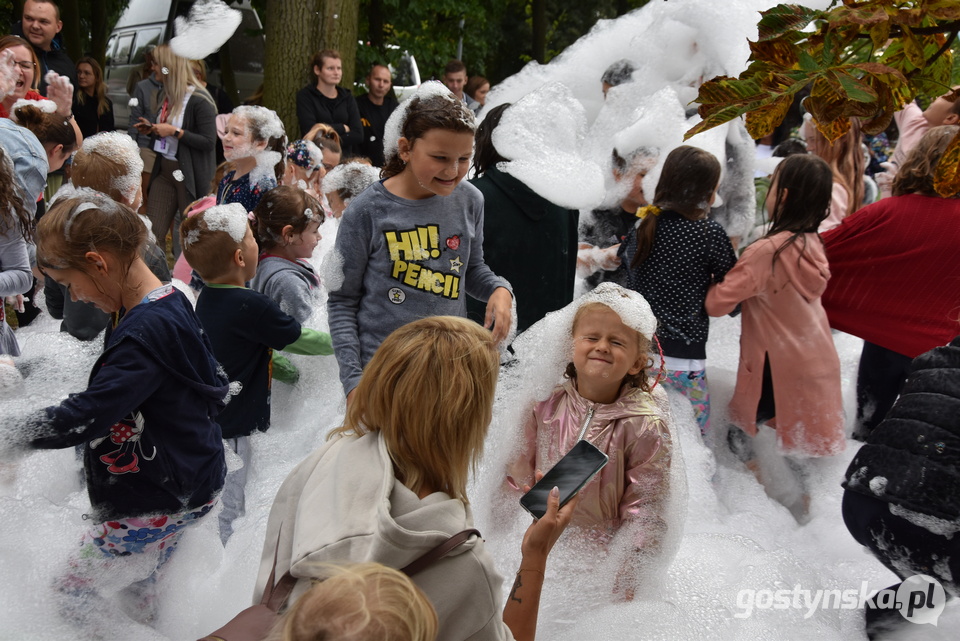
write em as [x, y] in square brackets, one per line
[912, 458]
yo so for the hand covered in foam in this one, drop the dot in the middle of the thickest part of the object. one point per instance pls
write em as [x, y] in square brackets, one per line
[885, 178]
[60, 91]
[592, 259]
[8, 73]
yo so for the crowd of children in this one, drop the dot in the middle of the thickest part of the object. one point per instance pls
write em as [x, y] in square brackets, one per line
[178, 386]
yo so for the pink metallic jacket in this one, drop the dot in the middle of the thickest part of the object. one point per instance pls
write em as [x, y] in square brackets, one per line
[632, 486]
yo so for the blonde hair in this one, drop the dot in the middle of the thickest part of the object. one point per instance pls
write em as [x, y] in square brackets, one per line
[178, 79]
[640, 379]
[360, 602]
[429, 391]
[325, 137]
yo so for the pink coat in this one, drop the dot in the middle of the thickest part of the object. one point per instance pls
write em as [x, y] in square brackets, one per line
[630, 431]
[783, 318]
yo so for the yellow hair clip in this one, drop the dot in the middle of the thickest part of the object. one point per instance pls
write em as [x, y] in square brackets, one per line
[649, 210]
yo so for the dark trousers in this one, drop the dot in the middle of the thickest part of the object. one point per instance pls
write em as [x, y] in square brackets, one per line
[906, 549]
[879, 380]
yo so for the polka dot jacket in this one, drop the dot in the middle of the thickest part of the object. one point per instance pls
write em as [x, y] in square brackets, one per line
[687, 257]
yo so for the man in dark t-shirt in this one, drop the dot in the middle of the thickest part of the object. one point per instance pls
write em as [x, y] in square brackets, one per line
[375, 107]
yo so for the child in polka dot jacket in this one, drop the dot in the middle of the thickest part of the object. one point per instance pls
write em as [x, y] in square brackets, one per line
[672, 257]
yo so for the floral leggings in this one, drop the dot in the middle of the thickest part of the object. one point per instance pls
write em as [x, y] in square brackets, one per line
[693, 385]
[122, 556]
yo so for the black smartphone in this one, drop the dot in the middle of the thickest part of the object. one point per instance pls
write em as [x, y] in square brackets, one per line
[570, 474]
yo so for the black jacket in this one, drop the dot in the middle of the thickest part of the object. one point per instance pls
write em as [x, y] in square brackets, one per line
[55, 59]
[374, 119]
[912, 459]
[529, 241]
[314, 107]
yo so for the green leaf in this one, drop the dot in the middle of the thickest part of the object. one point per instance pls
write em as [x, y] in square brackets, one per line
[880, 33]
[807, 62]
[856, 90]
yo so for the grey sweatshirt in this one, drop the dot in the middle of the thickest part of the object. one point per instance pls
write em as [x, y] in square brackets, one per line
[403, 260]
[291, 285]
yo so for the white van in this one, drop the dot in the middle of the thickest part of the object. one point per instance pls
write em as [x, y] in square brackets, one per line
[147, 23]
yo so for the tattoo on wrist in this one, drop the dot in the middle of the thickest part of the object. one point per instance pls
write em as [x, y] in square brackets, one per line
[516, 586]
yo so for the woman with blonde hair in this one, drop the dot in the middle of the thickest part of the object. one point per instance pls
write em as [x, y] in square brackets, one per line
[184, 137]
[91, 107]
[847, 162]
[391, 484]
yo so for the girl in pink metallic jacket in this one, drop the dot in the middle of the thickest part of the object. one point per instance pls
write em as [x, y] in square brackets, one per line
[607, 399]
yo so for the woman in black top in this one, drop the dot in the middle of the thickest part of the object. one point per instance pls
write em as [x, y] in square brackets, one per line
[328, 103]
[91, 107]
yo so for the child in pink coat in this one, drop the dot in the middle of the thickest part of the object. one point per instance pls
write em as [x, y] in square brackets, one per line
[779, 280]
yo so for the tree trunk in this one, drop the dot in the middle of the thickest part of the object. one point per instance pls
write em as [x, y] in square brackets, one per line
[539, 23]
[99, 12]
[375, 22]
[295, 30]
[72, 40]
[339, 23]
[292, 36]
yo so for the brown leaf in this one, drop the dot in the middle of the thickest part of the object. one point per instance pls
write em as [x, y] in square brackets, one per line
[833, 129]
[783, 54]
[880, 33]
[860, 14]
[824, 102]
[908, 17]
[946, 179]
[945, 10]
[762, 121]
[784, 18]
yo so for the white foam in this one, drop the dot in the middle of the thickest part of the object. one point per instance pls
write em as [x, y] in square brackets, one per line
[120, 148]
[541, 136]
[231, 218]
[354, 177]
[206, 28]
[46, 106]
[391, 133]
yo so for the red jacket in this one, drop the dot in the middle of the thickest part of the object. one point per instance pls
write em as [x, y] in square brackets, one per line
[896, 277]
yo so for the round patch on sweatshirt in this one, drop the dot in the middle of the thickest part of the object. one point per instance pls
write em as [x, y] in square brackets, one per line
[396, 295]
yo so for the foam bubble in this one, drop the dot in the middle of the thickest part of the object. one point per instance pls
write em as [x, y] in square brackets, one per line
[231, 218]
[206, 28]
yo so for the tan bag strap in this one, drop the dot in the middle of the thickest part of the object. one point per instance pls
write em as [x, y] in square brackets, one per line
[439, 552]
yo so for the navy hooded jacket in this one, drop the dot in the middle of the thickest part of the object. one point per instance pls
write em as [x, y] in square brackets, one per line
[148, 414]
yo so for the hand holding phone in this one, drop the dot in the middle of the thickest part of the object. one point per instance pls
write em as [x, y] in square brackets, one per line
[143, 126]
[570, 474]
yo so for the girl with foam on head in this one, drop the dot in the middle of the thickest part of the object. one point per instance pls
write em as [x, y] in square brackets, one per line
[607, 400]
[789, 369]
[254, 146]
[411, 245]
[287, 223]
[152, 450]
[674, 254]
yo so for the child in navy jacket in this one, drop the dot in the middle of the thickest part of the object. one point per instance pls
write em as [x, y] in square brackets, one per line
[152, 449]
[244, 327]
